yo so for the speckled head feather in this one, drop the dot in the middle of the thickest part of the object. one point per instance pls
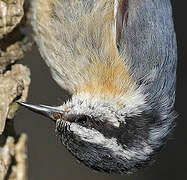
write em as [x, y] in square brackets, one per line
[118, 59]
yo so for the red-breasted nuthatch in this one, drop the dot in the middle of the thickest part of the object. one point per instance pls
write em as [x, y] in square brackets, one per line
[118, 59]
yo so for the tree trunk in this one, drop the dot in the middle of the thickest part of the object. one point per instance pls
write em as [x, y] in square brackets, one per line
[14, 84]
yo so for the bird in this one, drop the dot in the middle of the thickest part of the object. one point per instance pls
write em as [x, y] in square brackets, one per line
[117, 59]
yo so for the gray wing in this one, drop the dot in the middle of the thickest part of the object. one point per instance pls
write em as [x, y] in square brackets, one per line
[147, 36]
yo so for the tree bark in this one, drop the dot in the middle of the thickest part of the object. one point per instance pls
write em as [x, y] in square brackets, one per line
[14, 85]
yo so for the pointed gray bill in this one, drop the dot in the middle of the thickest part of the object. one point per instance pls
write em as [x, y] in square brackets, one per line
[48, 111]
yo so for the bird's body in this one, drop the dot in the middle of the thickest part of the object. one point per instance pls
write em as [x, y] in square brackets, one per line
[118, 59]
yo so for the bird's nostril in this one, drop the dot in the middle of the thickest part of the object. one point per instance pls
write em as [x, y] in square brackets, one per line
[57, 115]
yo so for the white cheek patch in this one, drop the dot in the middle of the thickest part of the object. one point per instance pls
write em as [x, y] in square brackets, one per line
[83, 104]
[95, 137]
[107, 109]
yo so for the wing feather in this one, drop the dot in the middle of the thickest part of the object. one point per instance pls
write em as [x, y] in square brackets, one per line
[148, 39]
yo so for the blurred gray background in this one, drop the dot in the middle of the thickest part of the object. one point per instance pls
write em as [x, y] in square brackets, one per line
[47, 157]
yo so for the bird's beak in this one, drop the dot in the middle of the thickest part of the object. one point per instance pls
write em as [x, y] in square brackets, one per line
[48, 111]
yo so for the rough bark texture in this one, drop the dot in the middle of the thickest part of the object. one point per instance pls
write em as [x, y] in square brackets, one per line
[14, 84]
[11, 13]
[14, 153]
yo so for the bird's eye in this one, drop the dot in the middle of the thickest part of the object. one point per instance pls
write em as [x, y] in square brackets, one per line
[82, 119]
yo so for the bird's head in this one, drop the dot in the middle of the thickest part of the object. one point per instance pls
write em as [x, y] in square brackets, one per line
[103, 134]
